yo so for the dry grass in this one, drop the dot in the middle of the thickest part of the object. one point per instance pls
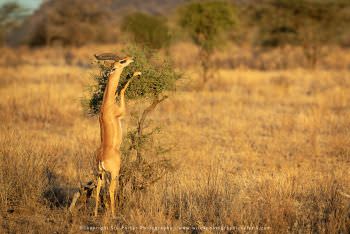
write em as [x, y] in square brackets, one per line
[255, 149]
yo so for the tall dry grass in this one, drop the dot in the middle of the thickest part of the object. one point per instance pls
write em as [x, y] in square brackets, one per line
[256, 149]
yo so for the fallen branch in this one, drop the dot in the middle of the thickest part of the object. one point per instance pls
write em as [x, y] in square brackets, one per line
[85, 193]
[344, 194]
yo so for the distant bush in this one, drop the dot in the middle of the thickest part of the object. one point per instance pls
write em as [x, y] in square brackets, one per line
[147, 30]
[70, 22]
[11, 15]
[310, 24]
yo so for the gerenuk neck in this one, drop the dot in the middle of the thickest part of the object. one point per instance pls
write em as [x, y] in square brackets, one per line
[113, 81]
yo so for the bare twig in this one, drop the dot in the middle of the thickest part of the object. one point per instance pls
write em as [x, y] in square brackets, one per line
[143, 118]
[147, 111]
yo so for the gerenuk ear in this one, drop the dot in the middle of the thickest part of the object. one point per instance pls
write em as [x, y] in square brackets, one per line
[122, 61]
[125, 62]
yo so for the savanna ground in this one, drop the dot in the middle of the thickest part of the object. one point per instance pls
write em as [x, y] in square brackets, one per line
[258, 150]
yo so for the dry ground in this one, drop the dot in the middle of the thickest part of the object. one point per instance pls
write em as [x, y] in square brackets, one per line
[267, 149]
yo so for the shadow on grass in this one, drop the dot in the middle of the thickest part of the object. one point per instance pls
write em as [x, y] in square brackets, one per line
[58, 195]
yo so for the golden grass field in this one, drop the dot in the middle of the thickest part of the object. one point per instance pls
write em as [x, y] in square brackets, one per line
[255, 151]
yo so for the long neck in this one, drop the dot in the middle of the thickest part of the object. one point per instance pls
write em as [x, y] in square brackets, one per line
[109, 132]
[112, 84]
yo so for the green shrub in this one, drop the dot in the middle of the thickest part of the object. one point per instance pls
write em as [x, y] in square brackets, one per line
[147, 30]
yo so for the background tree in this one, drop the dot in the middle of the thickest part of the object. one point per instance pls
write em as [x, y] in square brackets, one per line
[158, 78]
[207, 23]
[71, 22]
[147, 30]
[11, 15]
[309, 24]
